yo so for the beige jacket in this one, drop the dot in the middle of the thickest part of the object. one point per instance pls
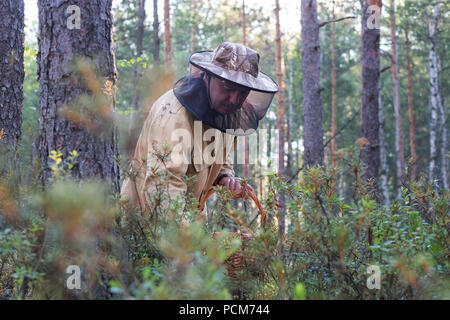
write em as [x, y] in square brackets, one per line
[169, 123]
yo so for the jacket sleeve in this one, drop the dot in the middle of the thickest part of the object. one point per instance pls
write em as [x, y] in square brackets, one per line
[169, 147]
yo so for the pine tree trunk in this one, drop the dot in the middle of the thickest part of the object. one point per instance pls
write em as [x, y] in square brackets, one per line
[400, 160]
[333, 96]
[434, 90]
[167, 37]
[133, 130]
[156, 41]
[90, 132]
[280, 112]
[412, 135]
[312, 101]
[12, 75]
[370, 124]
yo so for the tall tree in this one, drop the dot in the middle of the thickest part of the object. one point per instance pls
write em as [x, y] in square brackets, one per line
[167, 36]
[435, 99]
[12, 74]
[312, 101]
[156, 40]
[333, 91]
[77, 109]
[290, 122]
[400, 157]
[280, 110]
[370, 62]
[383, 160]
[244, 42]
[412, 135]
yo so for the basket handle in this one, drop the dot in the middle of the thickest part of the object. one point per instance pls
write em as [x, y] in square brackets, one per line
[250, 194]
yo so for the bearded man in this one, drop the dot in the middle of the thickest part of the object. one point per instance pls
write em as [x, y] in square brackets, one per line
[224, 95]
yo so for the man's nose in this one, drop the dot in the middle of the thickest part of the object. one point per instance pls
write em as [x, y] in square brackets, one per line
[234, 98]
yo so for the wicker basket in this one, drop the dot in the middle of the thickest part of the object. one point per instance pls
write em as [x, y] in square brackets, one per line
[234, 263]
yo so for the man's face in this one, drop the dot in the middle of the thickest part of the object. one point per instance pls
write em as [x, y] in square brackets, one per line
[226, 97]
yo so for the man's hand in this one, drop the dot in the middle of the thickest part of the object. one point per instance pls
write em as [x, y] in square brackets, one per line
[235, 186]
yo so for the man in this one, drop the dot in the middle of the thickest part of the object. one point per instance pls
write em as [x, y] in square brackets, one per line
[224, 95]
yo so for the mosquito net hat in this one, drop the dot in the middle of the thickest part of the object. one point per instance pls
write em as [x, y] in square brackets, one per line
[233, 63]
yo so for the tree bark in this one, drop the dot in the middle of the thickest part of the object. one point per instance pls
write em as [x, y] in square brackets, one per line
[156, 41]
[290, 119]
[383, 160]
[333, 92]
[246, 146]
[435, 99]
[400, 159]
[12, 75]
[66, 124]
[167, 37]
[312, 101]
[370, 124]
[412, 136]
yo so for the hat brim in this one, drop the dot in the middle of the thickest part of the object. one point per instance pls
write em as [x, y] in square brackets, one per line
[263, 83]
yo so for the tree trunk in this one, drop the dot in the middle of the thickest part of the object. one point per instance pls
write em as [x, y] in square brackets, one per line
[444, 155]
[290, 120]
[193, 26]
[12, 75]
[66, 123]
[333, 92]
[246, 146]
[370, 61]
[167, 37]
[134, 130]
[435, 99]
[156, 40]
[412, 136]
[383, 161]
[280, 112]
[312, 101]
[400, 160]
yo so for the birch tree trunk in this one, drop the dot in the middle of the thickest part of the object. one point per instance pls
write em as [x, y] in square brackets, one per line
[167, 37]
[289, 119]
[82, 29]
[312, 101]
[156, 40]
[383, 160]
[400, 160]
[280, 112]
[435, 99]
[412, 135]
[12, 75]
[370, 61]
